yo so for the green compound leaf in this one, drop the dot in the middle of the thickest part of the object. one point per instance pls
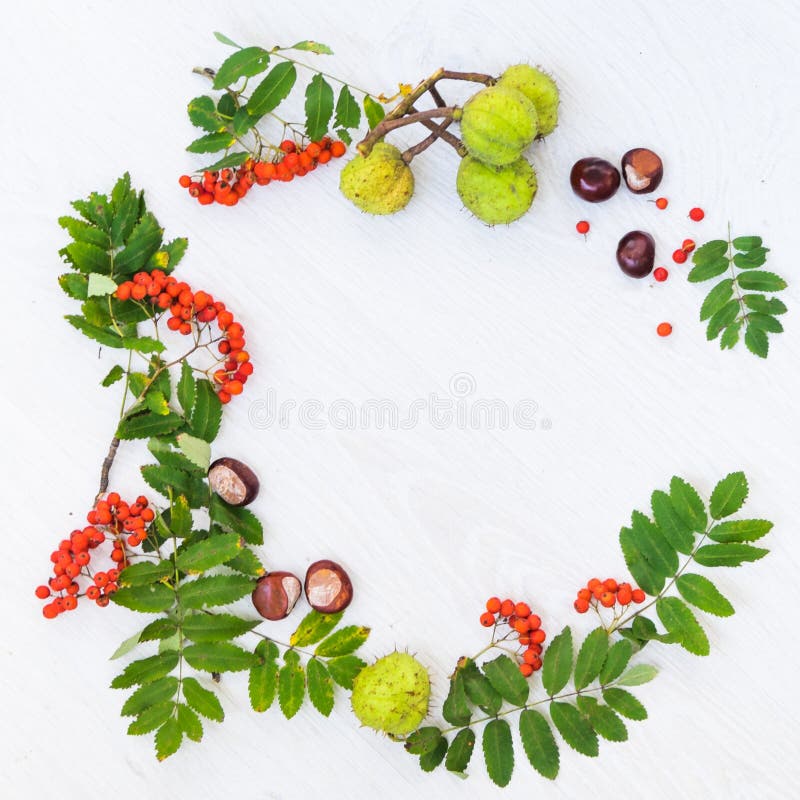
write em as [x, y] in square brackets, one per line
[740, 530]
[557, 663]
[761, 281]
[479, 690]
[291, 685]
[702, 593]
[345, 669]
[202, 700]
[423, 740]
[218, 657]
[637, 675]
[150, 599]
[710, 268]
[730, 336]
[203, 114]
[603, 719]
[198, 451]
[617, 658]
[320, 686]
[756, 341]
[237, 520]
[207, 411]
[625, 703]
[168, 739]
[243, 120]
[672, 526]
[190, 723]
[149, 695]
[591, 657]
[539, 743]
[645, 629]
[147, 424]
[146, 572]
[728, 555]
[151, 718]
[686, 501]
[319, 107]
[498, 751]
[243, 63]
[460, 752]
[214, 590]
[455, 708]
[728, 495]
[146, 670]
[721, 319]
[343, 642]
[208, 553]
[215, 627]
[374, 111]
[716, 298]
[348, 113]
[760, 304]
[755, 258]
[507, 680]
[263, 680]
[574, 728]
[745, 243]
[273, 90]
[429, 761]
[314, 627]
[678, 619]
[186, 389]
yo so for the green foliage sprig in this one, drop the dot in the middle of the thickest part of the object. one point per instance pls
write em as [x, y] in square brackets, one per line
[231, 120]
[585, 695]
[739, 301]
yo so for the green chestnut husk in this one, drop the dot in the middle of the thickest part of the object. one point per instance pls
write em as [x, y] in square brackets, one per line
[380, 183]
[496, 195]
[539, 88]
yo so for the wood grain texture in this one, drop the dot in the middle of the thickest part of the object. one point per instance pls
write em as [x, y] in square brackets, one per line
[339, 306]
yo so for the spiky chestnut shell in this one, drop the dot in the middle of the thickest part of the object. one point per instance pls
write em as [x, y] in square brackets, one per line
[496, 195]
[380, 183]
[392, 694]
[539, 88]
[497, 124]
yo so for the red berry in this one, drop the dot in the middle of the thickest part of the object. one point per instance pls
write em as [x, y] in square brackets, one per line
[607, 599]
[697, 214]
[522, 610]
[581, 605]
[185, 181]
[660, 274]
[538, 636]
[688, 245]
[582, 227]
[493, 604]
[637, 595]
[338, 149]
[506, 608]
[534, 622]
[662, 203]
[42, 592]
[679, 256]
[664, 329]
[487, 619]
[526, 670]
[288, 146]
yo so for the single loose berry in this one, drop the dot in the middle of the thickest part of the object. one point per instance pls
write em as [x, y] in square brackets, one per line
[582, 227]
[487, 619]
[688, 245]
[42, 592]
[679, 256]
[664, 329]
[662, 203]
[660, 274]
[697, 214]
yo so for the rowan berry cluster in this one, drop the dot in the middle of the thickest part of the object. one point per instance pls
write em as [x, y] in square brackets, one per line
[228, 186]
[186, 308]
[524, 625]
[112, 520]
[607, 593]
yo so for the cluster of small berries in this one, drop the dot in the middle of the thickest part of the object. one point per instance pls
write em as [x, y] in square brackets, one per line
[110, 519]
[607, 593]
[522, 621]
[185, 307]
[228, 186]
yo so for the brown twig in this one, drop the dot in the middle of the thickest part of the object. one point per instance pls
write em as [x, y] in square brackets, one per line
[106, 468]
[418, 148]
[444, 135]
[388, 124]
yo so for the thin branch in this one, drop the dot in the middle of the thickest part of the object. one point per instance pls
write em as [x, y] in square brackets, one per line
[106, 467]
[389, 124]
[418, 148]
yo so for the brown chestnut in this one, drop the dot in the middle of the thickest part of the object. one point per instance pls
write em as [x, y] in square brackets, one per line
[275, 594]
[636, 253]
[594, 179]
[328, 588]
[643, 170]
[233, 481]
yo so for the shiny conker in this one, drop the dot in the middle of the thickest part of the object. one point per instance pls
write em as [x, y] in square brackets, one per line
[276, 594]
[233, 481]
[643, 170]
[636, 254]
[328, 587]
[594, 179]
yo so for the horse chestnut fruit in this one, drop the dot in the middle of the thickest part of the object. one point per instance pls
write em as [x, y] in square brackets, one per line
[328, 588]
[594, 179]
[276, 594]
[643, 170]
[233, 481]
[636, 254]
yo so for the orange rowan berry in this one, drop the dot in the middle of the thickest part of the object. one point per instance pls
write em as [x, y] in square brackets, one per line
[70, 603]
[42, 592]
[113, 498]
[82, 559]
[522, 610]
[173, 323]
[538, 636]
[338, 149]
[139, 291]
[662, 203]
[324, 157]
[530, 657]
[535, 622]
[526, 669]
[493, 604]
[592, 584]
[185, 328]
[534, 647]
[487, 619]
[124, 291]
[100, 578]
[610, 585]
[93, 592]
[638, 596]
[288, 146]
[102, 601]
[73, 588]
[224, 397]
[525, 639]
[314, 150]
[521, 625]
[233, 387]
[50, 611]
[506, 608]
[205, 198]
[607, 599]
[584, 594]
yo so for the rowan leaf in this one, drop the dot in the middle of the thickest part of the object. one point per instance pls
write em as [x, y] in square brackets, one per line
[146, 670]
[207, 411]
[746, 243]
[203, 114]
[539, 743]
[591, 656]
[716, 298]
[149, 599]
[701, 592]
[186, 389]
[728, 495]
[678, 619]
[238, 520]
[151, 718]
[686, 501]
[343, 642]
[557, 663]
[423, 740]
[625, 703]
[314, 627]
[319, 107]
[602, 719]
[311, 47]
[756, 341]
[218, 657]
[710, 268]
[740, 530]
[263, 679]
[345, 669]
[637, 675]
[202, 700]
[498, 751]
[460, 751]
[147, 424]
[455, 708]
[670, 523]
[479, 690]
[273, 90]
[721, 319]
[373, 110]
[429, 761]
[751, 259]
[320, 686]
[190, 722]
[198, 451]
[149, 695]
[208, 553]
[348, 113]
[214, 590]
[730, 554]
[146, 572]
[617, 658]
[761, 281]
[291, 684]
[574, 728]
[244, 63]
[507, 680]
[215, 627]
[168, 739]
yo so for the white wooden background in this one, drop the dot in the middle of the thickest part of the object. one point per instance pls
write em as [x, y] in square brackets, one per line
[338, 305]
